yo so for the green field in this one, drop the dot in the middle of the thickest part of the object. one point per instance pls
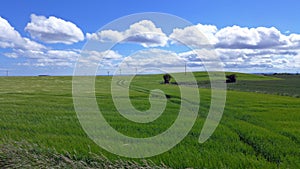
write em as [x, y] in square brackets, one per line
[259, 128]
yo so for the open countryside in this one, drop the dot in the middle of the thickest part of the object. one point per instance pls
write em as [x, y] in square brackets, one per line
[259, 128]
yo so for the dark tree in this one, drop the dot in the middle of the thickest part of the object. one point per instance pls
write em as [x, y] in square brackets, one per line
[167, 78]
[231, 78]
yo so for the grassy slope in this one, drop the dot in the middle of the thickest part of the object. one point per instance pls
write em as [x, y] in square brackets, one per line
[257, 130]
[284, 85]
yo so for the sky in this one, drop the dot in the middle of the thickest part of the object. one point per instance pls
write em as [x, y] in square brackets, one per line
[48, 37]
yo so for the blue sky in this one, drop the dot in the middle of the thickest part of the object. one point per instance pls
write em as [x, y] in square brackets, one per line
[269, 50]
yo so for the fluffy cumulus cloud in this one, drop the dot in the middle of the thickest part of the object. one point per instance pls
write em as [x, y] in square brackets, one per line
[200, 55]
[143, 32]
[195, 36]
[154, 58]
[107, 58]
[294, 40]
[106, 35]
[236, 37]
[10, 38]
[264, 60]
[296, 61]
[238, 48]
[48, 57]
[54, 30]
[241, 48]
[158, 60]
[35, 54]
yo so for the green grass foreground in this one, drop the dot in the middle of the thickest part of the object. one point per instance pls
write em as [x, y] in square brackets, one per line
[259, 128]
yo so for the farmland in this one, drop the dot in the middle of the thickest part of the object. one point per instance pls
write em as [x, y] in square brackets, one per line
[259, 128]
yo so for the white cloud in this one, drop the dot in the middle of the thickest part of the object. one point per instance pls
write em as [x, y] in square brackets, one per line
[242, 48]
[207, 58]
[258, 59]
[200, 55]
[10, 38]
[146, 33]
[53, 30]
[154, 58]
[294, 40]
[239, 48]
[143, 32]
[236, 37]
[46, 57]
[158, 59]
[107, 59]
[106, 35]
[35, 53]
[195, 36]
